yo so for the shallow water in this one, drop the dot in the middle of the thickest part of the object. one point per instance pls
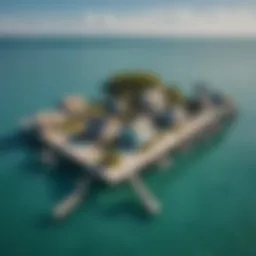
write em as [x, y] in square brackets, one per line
[208, 195]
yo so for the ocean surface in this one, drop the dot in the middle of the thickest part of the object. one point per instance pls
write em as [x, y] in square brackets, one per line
[208, 195]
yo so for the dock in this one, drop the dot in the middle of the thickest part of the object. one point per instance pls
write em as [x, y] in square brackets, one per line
[135, 162]
[149, 201]
[72, 201]
[132, 163]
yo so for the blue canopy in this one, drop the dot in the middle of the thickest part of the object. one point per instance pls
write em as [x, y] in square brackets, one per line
[164, 118]
[95, 127]
[92, 130]
[127, 139]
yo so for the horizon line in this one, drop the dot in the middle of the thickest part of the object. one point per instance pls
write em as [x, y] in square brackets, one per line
[157, 22]
[126, 36]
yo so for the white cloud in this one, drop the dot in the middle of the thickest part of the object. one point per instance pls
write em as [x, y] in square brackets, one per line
[238, 20]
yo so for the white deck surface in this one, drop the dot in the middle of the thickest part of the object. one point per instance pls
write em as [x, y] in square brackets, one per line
[90, 155]
[135, 163]
[85, 154]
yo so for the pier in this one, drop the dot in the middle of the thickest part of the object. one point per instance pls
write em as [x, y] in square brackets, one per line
[72, 201]
[132, 164]
[149, 201]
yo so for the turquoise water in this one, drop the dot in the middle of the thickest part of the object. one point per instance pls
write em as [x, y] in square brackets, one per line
[208, 196]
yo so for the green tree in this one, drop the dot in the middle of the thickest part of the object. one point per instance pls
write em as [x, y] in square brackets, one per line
[131, 84]
[174, 95]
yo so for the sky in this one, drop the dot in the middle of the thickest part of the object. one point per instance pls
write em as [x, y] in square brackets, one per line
[128, 17]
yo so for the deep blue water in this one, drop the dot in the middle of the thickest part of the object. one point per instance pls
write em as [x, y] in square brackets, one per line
[208, 195]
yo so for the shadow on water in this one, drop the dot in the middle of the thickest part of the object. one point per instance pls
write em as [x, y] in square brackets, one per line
[10, 142]
[16, 140]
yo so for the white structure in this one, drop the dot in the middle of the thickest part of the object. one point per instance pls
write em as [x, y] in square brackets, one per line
[48, 120]
[91, 154]
[144, 128]
[130, 165]
[149, 201]
[155, 98]
[180, 115]
[72, 201]
[111, 129]
[74, 105]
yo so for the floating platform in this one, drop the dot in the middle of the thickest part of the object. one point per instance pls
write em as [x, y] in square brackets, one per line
[131, 163]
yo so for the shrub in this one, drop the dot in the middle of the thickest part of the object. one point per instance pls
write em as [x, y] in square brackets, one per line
[131, 83]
